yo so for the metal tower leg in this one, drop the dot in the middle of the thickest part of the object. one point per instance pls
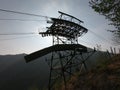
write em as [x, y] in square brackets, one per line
[51, 62]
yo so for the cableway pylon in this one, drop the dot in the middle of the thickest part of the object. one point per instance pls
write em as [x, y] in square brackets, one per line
[66, 54]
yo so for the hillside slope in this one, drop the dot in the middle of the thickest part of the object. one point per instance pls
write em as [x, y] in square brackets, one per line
[106, 76]
[16, 74]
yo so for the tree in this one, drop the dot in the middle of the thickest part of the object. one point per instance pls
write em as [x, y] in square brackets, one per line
[111, 10]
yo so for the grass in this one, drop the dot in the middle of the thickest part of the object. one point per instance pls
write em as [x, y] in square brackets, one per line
[106, 76]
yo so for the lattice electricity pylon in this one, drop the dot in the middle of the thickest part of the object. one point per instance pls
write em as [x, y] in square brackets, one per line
[66, 54]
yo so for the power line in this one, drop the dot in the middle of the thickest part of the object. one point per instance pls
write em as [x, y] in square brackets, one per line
[29, 14]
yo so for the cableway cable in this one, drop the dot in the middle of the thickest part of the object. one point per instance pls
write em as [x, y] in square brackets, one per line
[100, 37]
[18, 33]
[16, 38]
[23, 13]
[7, 19]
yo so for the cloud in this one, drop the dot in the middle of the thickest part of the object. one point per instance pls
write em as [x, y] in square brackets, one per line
[52, 6]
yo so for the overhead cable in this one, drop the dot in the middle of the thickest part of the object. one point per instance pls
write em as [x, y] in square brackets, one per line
[29, 14]
[7, 19]
[100, 37]
[18, 33]
[16, 38]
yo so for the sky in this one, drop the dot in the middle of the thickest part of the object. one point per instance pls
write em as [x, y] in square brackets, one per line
[17, 44]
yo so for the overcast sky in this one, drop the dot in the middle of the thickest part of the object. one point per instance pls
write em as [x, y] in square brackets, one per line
[30, 43]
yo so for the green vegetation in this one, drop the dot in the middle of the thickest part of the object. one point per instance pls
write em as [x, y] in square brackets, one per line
[111, 10]
[106, 76]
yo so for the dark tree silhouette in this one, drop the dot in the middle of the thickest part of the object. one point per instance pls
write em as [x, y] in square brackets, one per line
[111, 10]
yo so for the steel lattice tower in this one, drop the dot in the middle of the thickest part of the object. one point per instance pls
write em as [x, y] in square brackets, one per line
[66, 52]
